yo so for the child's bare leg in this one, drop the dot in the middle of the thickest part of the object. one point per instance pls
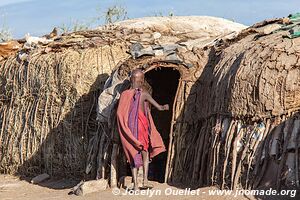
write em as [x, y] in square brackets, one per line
[134, 177]
[145, 156]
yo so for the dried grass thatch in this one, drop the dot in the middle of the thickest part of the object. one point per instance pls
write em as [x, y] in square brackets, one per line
[48, 102]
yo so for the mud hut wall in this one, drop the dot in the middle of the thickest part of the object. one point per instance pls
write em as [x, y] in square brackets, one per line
[235, 153]
[263, 77]
[48, 108]
[240, 106]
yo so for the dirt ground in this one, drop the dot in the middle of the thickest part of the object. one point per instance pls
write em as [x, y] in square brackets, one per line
[12, 188]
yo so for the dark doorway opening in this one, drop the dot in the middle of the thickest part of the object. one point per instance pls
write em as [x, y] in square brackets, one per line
[164, 83]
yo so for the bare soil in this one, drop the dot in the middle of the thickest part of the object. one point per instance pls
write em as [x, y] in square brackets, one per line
[13, 188]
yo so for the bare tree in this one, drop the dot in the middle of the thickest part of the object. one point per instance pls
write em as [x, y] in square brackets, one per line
[114, 14]
[74, 26]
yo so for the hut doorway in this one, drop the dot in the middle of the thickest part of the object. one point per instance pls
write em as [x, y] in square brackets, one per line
[164, 82]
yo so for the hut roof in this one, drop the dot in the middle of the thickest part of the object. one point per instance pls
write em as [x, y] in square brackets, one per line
[257, 74]
[187, 31]
[192, 31]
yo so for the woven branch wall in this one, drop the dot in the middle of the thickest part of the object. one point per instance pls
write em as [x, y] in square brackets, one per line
[48, 109]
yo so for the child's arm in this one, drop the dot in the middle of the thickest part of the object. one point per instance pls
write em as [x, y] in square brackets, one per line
[154, 103]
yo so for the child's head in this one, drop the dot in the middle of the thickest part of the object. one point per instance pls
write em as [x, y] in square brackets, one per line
[137, 78]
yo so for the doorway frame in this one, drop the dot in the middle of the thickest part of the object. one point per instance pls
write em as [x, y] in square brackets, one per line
[170, 151]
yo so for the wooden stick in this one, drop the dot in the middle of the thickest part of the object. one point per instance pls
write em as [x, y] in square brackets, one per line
[267, 125]
[205, 152]
[200, 145]
[229, 136]
[297, 158]
[113, 167]
[29, 107]
[243, 155]
[261, 149]
[2, 127]
[290, 124]
[100, 155]
[234, 155]
[212, 159]
[43, 119]
[171, 145]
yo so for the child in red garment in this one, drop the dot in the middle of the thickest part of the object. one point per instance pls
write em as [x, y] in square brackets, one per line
[143, 129]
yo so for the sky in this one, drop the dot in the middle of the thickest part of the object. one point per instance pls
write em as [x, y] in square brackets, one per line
[38, 17]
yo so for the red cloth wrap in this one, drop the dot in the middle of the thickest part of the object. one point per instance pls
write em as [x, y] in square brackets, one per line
[143, 128]
[131, 145]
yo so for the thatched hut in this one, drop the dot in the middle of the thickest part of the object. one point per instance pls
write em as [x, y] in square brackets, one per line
[234, 102]
[48, 103]
[50, 86]
[234, 119]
